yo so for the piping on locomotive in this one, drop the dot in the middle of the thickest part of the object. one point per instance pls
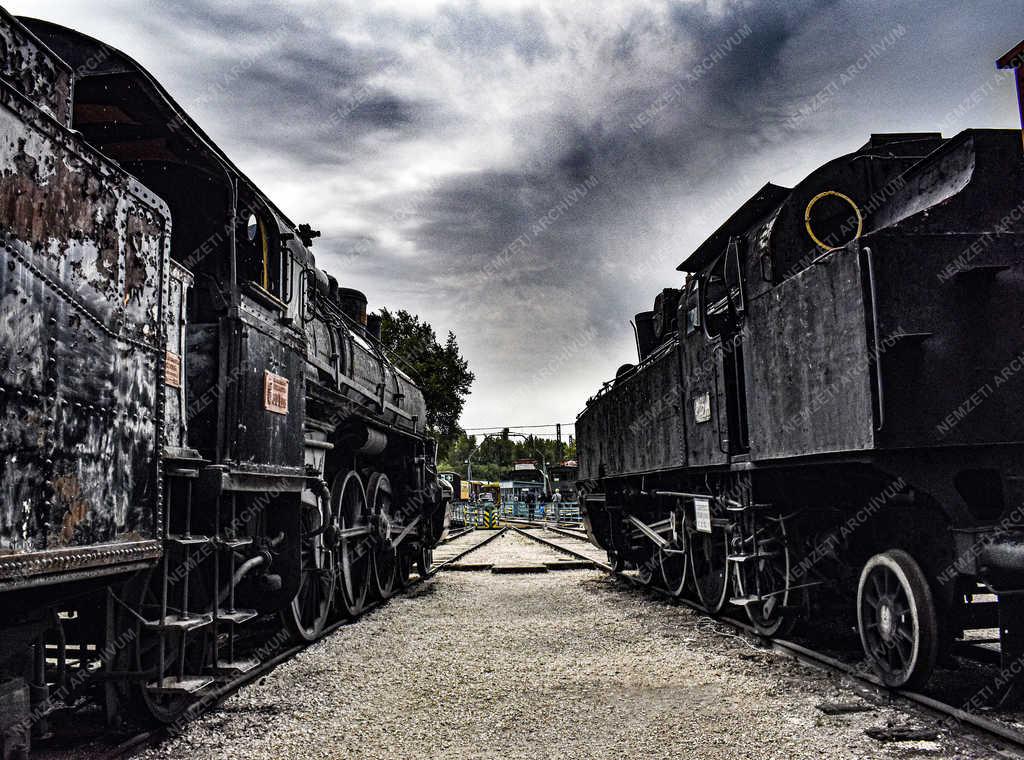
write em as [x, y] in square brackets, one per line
[826, 418]
[202, 433]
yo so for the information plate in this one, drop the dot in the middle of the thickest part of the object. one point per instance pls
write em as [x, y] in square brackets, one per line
[702, 512]
[275, 393]
[172, 370]
[702, 407]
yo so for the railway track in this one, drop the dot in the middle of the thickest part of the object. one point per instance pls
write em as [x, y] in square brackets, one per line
[157, 735]
[935, 707]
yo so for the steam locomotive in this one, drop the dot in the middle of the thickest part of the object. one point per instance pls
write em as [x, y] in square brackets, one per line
[202, 434]
[825, 422]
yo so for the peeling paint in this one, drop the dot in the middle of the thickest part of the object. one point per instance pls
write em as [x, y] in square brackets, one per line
[80, 342]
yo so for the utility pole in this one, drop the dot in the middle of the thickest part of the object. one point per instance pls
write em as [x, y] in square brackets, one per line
[1015, 60]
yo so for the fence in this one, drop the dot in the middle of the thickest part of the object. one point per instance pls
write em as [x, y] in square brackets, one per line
[566, 513]
[478, 515]
[488, 515]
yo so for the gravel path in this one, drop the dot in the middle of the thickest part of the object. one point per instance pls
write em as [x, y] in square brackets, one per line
[513, 548]
[558, 665]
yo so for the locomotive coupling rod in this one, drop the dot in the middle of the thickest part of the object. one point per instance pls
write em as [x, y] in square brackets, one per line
[685, 495]
[642, 526]
[404, 532]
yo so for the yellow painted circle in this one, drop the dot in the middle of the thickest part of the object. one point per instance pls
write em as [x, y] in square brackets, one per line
[837, 194]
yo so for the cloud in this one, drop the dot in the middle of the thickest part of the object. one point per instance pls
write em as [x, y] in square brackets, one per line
[425, 139]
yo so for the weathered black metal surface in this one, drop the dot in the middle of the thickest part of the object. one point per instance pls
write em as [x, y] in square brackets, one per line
[875, 313]
[703, 399]
[187, 393]
[809, 374]
[34, 71]
[637, 425]
[80, 346]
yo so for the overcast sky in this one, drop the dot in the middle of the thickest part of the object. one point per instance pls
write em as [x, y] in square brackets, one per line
[529, 174]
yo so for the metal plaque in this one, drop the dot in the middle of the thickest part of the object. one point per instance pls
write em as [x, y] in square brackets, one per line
[702, 407]
[172, 370]
[275, 393]
[702, 513]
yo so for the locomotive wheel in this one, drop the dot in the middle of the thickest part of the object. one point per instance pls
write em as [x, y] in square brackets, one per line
[675, 568]
[616, 563]
[404, 569]
[897, 619]
[385, 556]
[354, 552]
[425, 561]
[770, 574]
[314, 600]
[708, 562]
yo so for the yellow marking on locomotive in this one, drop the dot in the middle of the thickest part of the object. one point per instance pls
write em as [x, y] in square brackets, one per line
[841, 196]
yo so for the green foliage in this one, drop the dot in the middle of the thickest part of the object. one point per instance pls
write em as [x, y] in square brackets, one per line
[494, 457]
[440, 370]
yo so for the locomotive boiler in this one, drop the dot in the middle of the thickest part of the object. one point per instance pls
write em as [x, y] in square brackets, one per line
[826, 418]
[203, 440]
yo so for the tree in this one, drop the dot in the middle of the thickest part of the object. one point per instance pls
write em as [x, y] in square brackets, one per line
[494, 457]
[439, 370]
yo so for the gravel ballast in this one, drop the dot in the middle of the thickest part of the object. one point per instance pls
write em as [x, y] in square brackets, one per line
[558, 665]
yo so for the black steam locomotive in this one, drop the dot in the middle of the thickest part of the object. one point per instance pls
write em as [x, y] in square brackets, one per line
[202, 434]
[827, 418]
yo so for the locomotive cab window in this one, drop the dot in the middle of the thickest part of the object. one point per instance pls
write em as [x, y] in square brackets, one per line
[261, 259]
[715, 298]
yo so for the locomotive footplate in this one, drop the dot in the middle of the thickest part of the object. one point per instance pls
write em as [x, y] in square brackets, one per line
[220, 478]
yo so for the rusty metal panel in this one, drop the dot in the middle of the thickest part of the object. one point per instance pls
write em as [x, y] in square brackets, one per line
[32, 69]
[81, 358]
[807, 362]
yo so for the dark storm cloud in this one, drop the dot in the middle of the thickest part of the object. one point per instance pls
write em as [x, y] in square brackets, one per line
[286, 83]
[467, 30]
[442, 150]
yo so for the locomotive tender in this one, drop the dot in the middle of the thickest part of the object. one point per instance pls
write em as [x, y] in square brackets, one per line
[202, 434]
[826, 418]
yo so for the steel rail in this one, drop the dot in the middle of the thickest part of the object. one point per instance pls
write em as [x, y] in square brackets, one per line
[817, 659]
[460, 555]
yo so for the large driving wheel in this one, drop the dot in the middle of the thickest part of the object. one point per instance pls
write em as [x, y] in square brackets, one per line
[425, 561]
[311, 607]
[897, 619]
[385, 556]
[354, 543]
[404, 570]
[645, 569]
[709, 563]
[766, 573]
[675, 566]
